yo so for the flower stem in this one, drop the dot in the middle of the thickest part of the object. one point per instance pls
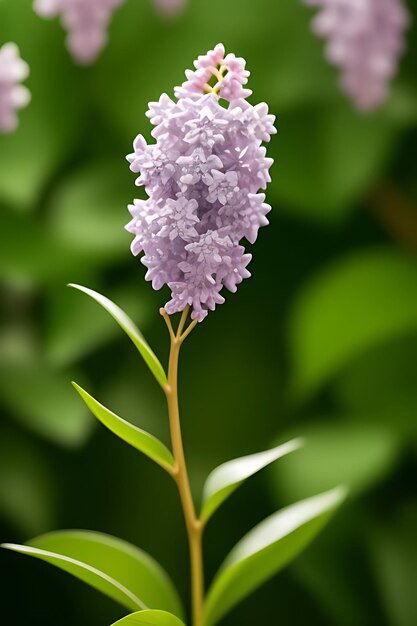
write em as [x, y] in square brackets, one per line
[193, 524]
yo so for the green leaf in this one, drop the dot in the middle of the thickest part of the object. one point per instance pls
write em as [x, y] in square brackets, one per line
[148, 618]
[116, 568]
[227, 477]
[136, 437]
[131, 330]
[266, 549]
[365, 299]
[351, 453]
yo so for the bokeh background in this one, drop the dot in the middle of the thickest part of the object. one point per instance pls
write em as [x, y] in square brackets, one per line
[322, 341]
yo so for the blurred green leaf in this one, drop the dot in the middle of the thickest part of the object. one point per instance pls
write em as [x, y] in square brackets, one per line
[266, 549]
[27, 494]
[88, 211]
[335, 572]
[394, 549]
[114, 567]
[223, 481]
[30, 256]
[42, 399]
[354, 454]
[76, 327]
[136, 437]
[364, 299]
[342, 151]
[380, 385]
[146, 618]
[131, 330]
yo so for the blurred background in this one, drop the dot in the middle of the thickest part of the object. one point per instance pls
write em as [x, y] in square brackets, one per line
[322, 341]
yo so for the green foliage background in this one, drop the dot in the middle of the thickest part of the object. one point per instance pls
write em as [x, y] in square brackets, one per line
[322, 341]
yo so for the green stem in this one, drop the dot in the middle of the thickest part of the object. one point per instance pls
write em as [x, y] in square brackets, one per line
[193, 524]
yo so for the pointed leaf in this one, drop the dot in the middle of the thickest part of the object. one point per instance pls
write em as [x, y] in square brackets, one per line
[118, 569]
[227, 477]
[148, 618]
[131, 330]
[266, 549]
[136, 437]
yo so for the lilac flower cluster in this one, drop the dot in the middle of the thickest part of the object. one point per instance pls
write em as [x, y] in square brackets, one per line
[365, 40]
[86, 22]
[203, 176]
[13, 95]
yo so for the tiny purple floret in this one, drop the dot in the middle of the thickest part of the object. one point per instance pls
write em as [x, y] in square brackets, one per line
[203, 177]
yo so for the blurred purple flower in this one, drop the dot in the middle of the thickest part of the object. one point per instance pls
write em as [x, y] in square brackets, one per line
[170, 7]
[365, 39]
[13, 95]
[86, 22]
[203, 176]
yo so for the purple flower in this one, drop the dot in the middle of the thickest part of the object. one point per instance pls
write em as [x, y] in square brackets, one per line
[203, 176]
[365, 39]
[86, 22]
[13, 95]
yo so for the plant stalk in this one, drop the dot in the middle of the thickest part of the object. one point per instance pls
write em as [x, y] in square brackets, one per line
[193, 524]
